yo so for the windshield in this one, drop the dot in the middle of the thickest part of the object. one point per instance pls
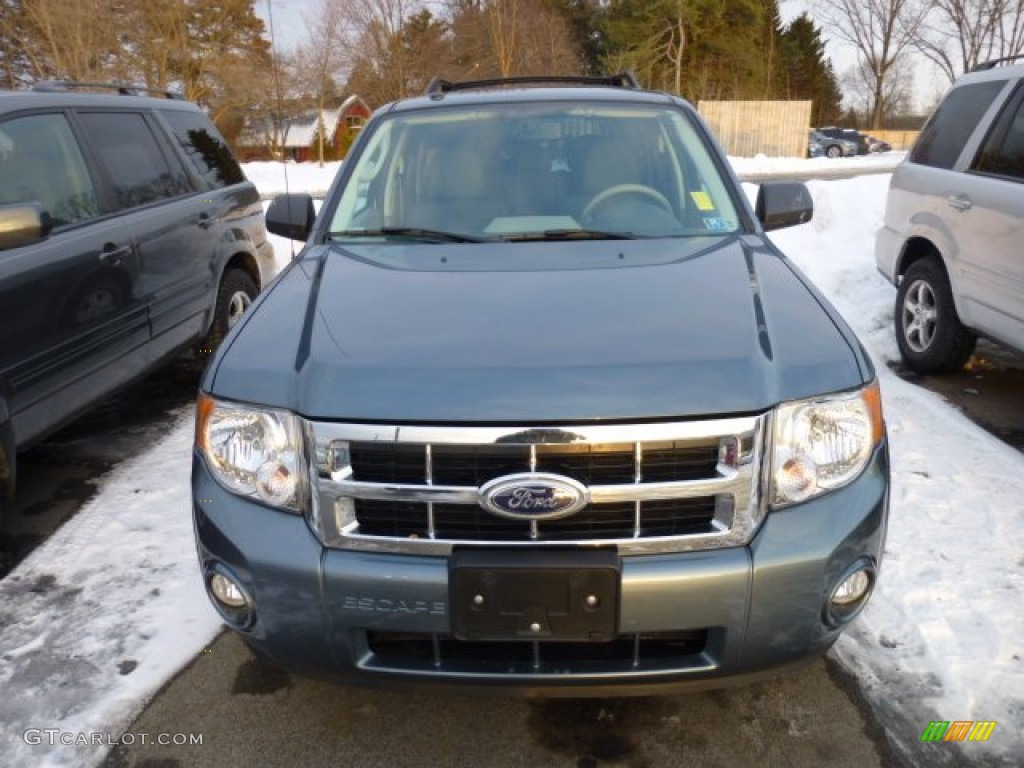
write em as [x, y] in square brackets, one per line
[512, 172]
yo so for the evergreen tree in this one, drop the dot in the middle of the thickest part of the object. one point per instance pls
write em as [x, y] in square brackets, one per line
[807, 72]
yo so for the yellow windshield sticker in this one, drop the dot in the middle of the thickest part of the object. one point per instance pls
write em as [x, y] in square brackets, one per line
[703, 200]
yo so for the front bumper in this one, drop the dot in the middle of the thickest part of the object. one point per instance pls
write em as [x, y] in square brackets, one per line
[686, 620]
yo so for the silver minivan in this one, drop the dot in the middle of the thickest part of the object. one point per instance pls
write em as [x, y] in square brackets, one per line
[954, 224]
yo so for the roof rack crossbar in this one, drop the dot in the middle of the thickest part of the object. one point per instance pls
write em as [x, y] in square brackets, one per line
[993, 63]
[621, 80]
[125, 89]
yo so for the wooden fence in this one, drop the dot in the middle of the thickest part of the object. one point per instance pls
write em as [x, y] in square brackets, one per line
[750, 128]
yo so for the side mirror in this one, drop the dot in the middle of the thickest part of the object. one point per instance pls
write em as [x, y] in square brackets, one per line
[783, 204]
[291, 216]
[23, 224]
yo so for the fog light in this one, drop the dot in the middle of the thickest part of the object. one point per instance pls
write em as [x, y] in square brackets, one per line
[227, 592]
[852, 588]
[851, 594]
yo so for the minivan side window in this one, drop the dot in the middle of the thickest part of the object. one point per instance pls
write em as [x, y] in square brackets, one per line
[40, 161]
[952, 124]
[205, 147]
[1003, 151]
[138, 170]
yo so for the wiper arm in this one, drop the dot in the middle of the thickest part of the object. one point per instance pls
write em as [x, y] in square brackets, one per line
[569, 234]
[417, 233]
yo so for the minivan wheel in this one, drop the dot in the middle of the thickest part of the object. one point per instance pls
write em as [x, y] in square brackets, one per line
[929, 333]
[834, 151]
[235, 295]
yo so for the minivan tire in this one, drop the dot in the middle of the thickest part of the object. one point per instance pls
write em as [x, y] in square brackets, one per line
[234, 296]
[834, 151]
[929, 333]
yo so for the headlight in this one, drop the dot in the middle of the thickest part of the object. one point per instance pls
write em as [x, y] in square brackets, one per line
[255, 452]
[820, 445]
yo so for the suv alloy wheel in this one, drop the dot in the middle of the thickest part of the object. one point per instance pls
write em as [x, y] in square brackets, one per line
[235, 295]
[930, 335]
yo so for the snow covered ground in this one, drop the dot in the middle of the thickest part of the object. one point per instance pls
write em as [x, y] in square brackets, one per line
[99, 617]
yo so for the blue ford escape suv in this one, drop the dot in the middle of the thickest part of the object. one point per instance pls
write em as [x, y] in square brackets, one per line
[539, 407]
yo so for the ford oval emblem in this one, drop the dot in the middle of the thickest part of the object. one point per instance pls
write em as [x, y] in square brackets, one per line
[533, 496]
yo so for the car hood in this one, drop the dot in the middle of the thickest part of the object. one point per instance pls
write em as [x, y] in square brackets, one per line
[539, 333]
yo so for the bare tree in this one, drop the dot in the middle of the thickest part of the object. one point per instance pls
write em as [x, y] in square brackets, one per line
[960, 34]
[73, 39]
[527, 37]
[881, 31]
[379, 26]
[325, 56]
[897, 95]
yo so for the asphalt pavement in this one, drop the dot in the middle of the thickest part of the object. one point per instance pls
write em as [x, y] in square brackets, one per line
[250, 714]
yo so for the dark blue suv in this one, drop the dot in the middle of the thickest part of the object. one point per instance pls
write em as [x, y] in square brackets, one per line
[539, 407]
[127, 234]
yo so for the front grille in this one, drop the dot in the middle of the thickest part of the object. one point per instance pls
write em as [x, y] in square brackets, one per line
[421, 651]
[645, 488]
[672, 517]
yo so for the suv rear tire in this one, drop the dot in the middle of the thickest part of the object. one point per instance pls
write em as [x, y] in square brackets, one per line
[929, 333]
[234, 296]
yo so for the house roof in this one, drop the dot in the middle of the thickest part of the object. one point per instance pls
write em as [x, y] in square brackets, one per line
[302, 130]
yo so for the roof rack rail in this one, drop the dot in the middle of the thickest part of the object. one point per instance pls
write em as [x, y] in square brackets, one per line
[125, 89]
[621, 80]
[993, 63]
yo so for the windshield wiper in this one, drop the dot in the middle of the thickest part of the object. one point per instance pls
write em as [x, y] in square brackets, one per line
[417, 233]
[569, 234]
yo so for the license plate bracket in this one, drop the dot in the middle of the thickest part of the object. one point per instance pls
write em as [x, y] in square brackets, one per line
[567, 596]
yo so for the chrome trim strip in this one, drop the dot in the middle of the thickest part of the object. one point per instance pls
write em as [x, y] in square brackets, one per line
[601, 433]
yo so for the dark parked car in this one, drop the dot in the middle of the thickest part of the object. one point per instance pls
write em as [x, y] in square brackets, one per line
[830, 146]
[539, 407]
[878, 145]
[859, 139]
[127, 233]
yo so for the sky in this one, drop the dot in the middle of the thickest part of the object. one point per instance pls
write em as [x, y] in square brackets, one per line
[83, 648]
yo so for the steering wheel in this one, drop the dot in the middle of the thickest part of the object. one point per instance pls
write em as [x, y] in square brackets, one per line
[626, 189]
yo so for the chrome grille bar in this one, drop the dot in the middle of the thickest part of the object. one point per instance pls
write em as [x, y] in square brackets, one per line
[638, 477]
[598, 494]
[429, 461]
